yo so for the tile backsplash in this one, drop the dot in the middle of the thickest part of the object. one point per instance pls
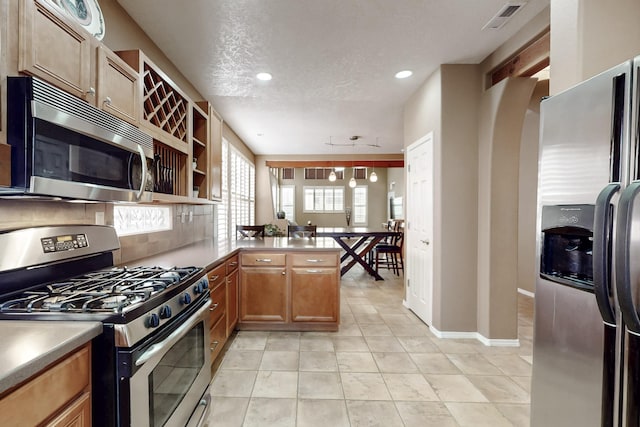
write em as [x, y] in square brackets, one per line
[28, 213]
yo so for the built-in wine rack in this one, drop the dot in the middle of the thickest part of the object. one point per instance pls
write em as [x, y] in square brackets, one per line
[164, 107]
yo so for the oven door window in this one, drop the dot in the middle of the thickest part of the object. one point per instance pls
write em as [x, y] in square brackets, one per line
[59, 153]
[174, 375]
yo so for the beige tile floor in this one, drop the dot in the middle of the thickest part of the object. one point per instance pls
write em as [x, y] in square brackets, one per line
[383, 368]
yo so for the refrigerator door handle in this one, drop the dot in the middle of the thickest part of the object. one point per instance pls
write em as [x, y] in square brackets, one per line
[623, 243]
[602, 252]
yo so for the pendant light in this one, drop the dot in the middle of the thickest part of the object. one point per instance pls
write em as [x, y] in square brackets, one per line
[373, 177]
[332, 175]
[352, 181]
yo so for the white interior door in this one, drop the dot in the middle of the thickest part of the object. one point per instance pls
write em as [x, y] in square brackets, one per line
[419, 229]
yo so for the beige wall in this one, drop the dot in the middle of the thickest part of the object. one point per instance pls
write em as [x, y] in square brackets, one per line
[502, 113]
[476, 152]
[377, 199]
[527, 190]
[591, 36]
[264, 209]
[460, 96]
[422, 114]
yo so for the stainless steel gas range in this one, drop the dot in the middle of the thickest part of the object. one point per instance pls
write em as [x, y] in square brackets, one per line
[150, 366]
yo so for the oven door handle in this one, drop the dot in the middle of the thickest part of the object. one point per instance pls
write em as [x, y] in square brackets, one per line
[175, 336]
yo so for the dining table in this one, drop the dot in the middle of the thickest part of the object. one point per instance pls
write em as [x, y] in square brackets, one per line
[356, 252]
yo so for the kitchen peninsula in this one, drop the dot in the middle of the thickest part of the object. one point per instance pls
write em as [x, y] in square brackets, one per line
[281, 283]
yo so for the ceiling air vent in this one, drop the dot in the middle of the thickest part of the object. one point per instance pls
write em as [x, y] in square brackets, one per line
[504, 14]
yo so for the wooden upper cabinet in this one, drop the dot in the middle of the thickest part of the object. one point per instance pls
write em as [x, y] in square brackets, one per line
[62, 53]
[117, 86]
[54, 49]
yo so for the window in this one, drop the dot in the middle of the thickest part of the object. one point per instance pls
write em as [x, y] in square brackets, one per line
[288, 173]
[360, 205]
[360, 173]
[322, 173]
[323, 199]
[288, 201]
[128, 220]
[238, 192]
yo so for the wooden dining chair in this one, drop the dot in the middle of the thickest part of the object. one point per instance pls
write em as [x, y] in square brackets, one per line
[249, 231]
[294, 231]
[390, 255]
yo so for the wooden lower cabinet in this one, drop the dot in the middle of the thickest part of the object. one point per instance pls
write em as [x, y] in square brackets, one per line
[57, 396]
[294, 291]
[314, 294]
[233, 295]
[263, 294]
[77, 415]
[218, 336]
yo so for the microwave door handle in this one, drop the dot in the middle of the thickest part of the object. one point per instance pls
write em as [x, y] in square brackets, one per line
[145, 171]
[174, 337]
[623, 265]
[601, 256]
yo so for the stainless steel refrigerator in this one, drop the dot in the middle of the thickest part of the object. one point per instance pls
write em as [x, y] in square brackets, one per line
[586, 365]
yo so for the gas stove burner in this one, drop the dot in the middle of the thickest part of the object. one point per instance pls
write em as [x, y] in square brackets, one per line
[113, 301]
[173, 276]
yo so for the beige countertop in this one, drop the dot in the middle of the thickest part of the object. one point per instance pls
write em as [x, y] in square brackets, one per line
[30, 346]
[209, 253]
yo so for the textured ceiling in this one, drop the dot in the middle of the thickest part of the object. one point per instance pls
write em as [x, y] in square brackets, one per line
[332, 61]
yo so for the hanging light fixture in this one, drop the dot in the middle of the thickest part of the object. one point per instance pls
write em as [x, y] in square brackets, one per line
[352, 181]
[373, 177]
[332, 175]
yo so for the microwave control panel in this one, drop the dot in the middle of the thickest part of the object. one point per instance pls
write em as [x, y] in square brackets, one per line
[67, 242]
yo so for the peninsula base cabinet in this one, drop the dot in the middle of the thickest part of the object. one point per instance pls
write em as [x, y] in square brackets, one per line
[291, 291]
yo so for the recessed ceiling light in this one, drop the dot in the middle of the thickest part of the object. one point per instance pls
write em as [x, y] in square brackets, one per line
[263, 76]
[403, 74]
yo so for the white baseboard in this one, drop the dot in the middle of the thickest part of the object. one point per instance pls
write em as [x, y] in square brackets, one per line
[405, 304]
[498, 342]
[526, 293]
[477, 336]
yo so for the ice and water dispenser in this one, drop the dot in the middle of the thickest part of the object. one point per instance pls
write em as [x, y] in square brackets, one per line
[567, 245]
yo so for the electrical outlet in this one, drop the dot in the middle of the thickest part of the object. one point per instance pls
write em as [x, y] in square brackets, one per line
[100, 218]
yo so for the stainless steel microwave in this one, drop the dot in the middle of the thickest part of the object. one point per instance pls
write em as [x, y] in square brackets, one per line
[64, 147]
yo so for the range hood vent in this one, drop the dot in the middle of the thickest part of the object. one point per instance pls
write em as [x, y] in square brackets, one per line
[504, 14]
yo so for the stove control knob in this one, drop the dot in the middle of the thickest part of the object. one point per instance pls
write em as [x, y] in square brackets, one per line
[186, 299]
[198, 288]
[165, 312]
[153, 321]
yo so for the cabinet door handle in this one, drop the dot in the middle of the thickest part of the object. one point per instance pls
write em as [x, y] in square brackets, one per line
[107, 100]
[313, 271]
[233, 264]
[91, 91]
[215, 345]
[283, 273]
[315, 260]
[213, 278]
[263, 259]
[213, 307]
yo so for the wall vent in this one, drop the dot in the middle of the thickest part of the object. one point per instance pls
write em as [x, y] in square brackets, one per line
[505, 13]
